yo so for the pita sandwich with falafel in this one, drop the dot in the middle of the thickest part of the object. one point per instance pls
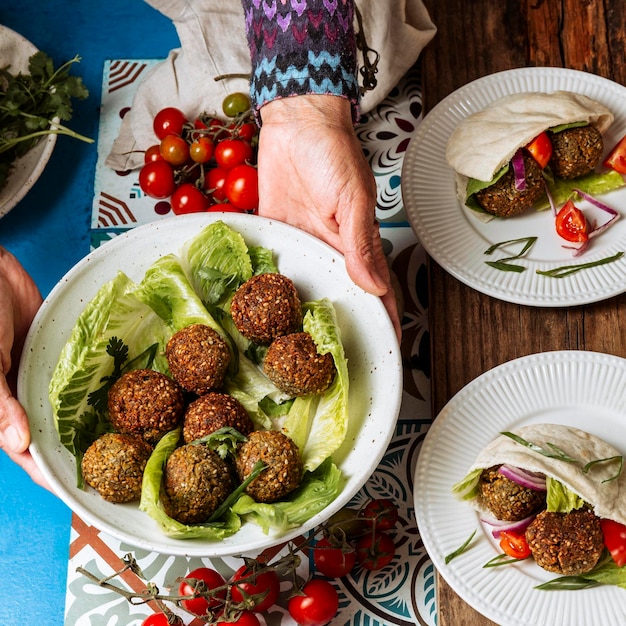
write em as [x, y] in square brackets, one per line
[584, 464]
[482, 148]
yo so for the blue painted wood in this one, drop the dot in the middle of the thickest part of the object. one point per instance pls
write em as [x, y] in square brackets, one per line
[49, 232]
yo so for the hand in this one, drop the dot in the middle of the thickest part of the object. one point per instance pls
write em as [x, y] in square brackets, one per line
[313, 175]
[19, 301]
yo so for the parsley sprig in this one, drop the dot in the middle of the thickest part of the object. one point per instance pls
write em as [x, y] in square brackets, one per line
[33, 105]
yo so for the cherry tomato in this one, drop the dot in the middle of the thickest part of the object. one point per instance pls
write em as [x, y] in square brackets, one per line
[380, 514]
[263, 587]
[242, 187]
[346, 522]
[214, 182]
[225, 207]
[153, 153]
[235, 104]
[232, 152]
[160, 619]
[514, 544]
[571, 224]
[156, 179]
[540, 149]
[201, 149]
[212, 579]
[616, 159]
[174, 149]
[375, 550]
[187, 198]
[246, 618]
[332, 561]
[246, 131]
[169, 120]
[317, 606]
[615, 540]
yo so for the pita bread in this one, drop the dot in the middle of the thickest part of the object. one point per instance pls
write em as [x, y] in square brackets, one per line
[487, 140]
[608, 499]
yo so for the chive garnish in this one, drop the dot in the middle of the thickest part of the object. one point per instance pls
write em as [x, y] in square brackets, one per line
[567, 270]
[612, 459]
[553, 451]
[460, 549]
[501, 559]
[503, 264]
[568, 583]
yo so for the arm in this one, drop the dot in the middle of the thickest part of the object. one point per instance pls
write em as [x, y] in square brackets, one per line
[312, 171]
[19, 301]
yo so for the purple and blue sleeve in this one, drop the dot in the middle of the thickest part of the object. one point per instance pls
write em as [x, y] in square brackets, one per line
[301, 47]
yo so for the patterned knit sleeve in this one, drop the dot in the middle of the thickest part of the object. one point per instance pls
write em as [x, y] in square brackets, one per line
[301, 47]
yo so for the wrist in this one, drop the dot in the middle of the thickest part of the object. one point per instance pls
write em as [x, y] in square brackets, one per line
[329, 109]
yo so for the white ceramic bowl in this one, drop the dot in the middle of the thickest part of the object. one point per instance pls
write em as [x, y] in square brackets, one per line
[374, 365]
[15, 51]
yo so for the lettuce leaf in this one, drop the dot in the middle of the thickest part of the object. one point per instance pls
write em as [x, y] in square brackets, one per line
[318, 424]
[150, 501]
[560, 499]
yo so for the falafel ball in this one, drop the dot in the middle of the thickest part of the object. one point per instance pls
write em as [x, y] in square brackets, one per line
[506, 499]
[198, 358]
[503, 200]
[113, 465]
[145, 402]
[195, 482]
[265, 307]
[283, 471]
[294, 365]
[575, 151]
[566, 543]
[213, 411]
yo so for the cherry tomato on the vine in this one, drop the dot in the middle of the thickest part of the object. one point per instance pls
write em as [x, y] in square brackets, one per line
[187, 198]
[245, 131]
[242, 187]
[265, 584]
[169, 120]
[201, 149]
[212, 579]
[174, 149]
[245, 618]
[375, 550]
[317, 605]
[332, 561]
[381, 514]
[235, 104]
[156, 179]
[232, 152]
[153, 153]
[214, 182]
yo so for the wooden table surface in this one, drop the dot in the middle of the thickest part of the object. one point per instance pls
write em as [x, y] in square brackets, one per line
[472, 332]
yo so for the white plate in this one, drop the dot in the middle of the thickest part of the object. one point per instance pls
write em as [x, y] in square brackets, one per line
[582, 389]
[318, 271]
[15, 51]
[457, 240]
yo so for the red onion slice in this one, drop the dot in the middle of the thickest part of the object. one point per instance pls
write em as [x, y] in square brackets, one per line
[500, 526]
[598, 230]
[528, 480]
[518, 170]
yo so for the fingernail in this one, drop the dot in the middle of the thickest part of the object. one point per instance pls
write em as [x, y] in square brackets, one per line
[13, 439]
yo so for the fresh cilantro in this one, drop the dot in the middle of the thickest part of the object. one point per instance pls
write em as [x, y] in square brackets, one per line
[32, 105]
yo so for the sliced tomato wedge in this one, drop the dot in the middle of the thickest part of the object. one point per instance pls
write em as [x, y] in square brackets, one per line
[514, 544]
[540, 149]
[571, 223]
[616, 159]
[615, 540]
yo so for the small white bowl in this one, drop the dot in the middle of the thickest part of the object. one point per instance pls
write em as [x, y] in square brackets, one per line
[15, 51]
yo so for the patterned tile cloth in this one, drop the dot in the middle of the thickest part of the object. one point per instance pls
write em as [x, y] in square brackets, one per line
[402, 593]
